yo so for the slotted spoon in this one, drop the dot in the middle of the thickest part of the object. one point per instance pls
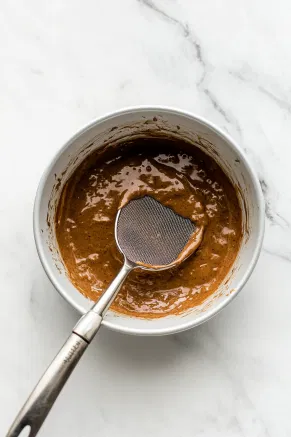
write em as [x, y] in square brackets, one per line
[151, 236]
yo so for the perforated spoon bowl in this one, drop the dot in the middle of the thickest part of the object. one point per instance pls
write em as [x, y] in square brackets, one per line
[151, 236]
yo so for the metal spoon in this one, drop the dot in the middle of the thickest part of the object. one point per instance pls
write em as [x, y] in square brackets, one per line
[151, 237]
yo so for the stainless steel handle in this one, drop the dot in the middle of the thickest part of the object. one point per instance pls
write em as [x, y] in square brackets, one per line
[102, 305]
[38, 405]
[41, 400]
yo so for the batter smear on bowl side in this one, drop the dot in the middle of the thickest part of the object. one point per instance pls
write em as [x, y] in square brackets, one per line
[179, 176]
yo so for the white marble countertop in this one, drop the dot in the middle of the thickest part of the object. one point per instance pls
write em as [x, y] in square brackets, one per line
[65, 62]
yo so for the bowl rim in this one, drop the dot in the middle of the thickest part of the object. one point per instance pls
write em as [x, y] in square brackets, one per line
[259, 237]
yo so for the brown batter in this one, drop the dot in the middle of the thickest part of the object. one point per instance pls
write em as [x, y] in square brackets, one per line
[179, 176]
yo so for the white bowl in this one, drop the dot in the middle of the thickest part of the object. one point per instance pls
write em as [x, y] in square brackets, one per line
[117, 127]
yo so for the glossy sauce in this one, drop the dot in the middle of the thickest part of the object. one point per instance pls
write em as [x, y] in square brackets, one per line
[179, 176]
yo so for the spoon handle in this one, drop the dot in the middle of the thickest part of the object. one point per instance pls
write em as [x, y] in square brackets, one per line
[42, 398]
[39, 403]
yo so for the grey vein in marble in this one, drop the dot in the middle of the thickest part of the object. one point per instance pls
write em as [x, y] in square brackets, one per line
[199, 56]
[274, 217]
[251, 80]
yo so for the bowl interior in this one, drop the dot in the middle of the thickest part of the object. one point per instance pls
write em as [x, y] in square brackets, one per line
[117, 128]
